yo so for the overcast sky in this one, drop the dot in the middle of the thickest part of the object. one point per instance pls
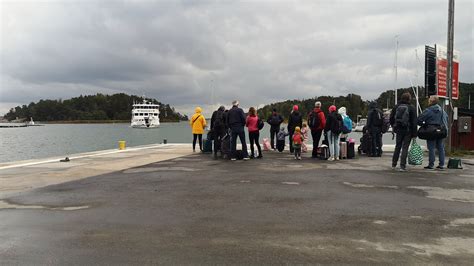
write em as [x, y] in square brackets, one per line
[184, 52]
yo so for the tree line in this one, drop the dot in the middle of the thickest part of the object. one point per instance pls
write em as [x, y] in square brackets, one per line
[90, 107]
[355, 105]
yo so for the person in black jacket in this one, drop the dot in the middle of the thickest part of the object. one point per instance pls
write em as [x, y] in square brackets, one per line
[374, 126]
[274, 121]
[404, 123]
[236, 122]
[218, 128]
[295, 120]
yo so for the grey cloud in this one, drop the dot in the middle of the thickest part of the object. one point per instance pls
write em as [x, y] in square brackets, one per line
[257, 52]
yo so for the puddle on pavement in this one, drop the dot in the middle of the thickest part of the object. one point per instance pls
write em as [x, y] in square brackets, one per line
[358, 185]
[447, 246]
[461, 222]
[6, 205]
[461, 195]
[156, 169]
[290, 183]
[380, 222]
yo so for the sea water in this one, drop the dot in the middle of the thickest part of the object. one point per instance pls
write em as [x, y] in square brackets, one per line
[65, 139]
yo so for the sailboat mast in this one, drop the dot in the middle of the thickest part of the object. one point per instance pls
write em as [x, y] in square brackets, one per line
[395, 68]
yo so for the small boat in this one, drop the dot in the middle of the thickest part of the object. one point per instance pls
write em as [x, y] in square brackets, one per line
[145, 115]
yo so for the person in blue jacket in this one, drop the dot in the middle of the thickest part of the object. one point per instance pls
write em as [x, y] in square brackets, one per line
[434, 115]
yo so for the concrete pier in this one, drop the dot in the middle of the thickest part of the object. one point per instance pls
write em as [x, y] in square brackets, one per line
[163, 204]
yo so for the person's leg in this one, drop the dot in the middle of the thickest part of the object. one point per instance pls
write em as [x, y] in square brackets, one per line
[398, 147]
[251, 138]
[233, 144]
[380, 144]
[440, 144]
[257, 143]
[272, 139]
[244, 143]
[314, 152]
[431, 152]
[337, 146]
[331, 145]
[405, 147]
[194, 141]
[373, 148]
[200, 141]
[290, 137]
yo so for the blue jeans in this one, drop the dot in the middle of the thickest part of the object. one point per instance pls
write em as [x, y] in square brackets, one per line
[334, 147]
[238, 131]
[439, 145]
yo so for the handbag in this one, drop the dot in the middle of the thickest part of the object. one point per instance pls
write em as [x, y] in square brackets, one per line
[433, 132]
[415, 154]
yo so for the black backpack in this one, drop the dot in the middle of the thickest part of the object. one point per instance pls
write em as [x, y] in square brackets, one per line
[377, 118]
[402, 118]
[337, 124]
[260, 124]
[219, 122]
[313, 120]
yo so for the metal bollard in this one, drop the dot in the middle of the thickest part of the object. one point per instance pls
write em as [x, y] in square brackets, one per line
[165, 141]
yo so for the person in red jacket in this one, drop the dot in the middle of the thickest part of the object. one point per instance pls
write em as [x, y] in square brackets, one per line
[254, 132]
[317, 123]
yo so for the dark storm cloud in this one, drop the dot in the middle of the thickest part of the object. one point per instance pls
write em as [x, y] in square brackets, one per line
[189, 53]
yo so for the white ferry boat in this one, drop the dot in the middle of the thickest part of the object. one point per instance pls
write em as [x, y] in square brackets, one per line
[145, 115]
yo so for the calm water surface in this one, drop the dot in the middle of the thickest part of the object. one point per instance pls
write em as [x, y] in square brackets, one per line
[65, 139]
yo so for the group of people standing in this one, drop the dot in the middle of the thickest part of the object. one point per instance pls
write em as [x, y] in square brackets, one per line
[335, 127]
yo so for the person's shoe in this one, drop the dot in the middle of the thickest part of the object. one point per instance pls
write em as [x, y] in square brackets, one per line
[337, 158]
[299, 158]
[440, 168]
[194, 150]
[429, 167]
[246, 158]
[331, 159]
[233, 159]
[252, 156]
[259, 157]
[402, 170]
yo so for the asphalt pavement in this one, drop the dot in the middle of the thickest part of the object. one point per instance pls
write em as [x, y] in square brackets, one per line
[275, 210]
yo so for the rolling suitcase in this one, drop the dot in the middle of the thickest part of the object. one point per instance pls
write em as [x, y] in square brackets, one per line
[350, 150]
[323, 152]
[207, 146]
[343, 150]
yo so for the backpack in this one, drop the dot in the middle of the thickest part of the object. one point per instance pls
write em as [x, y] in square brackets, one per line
[219, 122]
[313, 121]
[377, 118]
[297, 139]
[386, 123]
[337, 125]
[347, 125]
[402, 118]
[275, 120]
[260, 124]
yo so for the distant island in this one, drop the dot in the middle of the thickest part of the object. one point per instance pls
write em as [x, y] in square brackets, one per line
[99, 108]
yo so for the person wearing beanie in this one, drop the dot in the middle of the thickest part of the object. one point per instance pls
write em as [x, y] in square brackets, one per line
[333, 131]
[297, 140]
[236, 121]
[295, 120]
[218, 128]
[274, 121]
[316, 123]
[198, 123]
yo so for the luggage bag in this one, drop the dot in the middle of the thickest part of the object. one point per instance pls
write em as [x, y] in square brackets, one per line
[343, 150]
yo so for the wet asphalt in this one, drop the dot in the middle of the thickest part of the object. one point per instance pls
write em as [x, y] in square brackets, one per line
[195, 210]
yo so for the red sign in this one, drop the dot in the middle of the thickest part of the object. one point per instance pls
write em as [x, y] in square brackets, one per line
[442, 72]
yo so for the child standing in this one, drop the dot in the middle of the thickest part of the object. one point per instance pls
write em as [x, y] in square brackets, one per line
[304, 132]
[297, 143]
[281, 139]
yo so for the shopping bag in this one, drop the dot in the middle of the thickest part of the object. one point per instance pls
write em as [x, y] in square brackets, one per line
[415, 154]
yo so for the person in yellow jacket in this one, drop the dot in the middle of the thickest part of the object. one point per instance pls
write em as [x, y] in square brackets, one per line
[198, 123]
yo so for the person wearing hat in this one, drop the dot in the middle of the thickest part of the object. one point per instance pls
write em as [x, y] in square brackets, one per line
[333, 130]
[316, 123]
[236, 121]
[297, 140]
[295, 120]
[274, 121]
